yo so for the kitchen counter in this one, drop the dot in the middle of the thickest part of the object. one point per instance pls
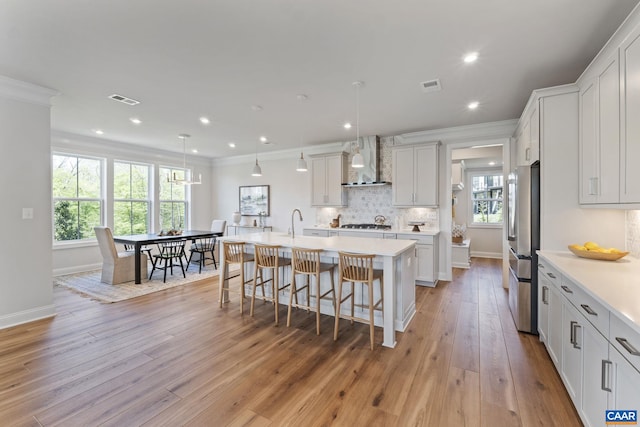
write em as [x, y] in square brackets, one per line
[615, 284]
[396, 257]
[406, 230]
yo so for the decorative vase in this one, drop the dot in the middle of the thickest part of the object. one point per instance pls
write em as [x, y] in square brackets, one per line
[236, 218]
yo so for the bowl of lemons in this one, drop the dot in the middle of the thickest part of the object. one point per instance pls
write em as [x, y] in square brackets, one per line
[592, 250]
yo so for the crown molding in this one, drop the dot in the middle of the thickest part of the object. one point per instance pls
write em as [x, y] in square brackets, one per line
[26, 92]
[291, 153]
[491, 130]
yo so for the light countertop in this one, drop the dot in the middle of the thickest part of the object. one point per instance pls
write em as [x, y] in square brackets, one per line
[358, 245]
[407, 230]
[614, 283]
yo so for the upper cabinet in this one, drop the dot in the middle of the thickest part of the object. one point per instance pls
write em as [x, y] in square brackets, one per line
[328, 172]
[609, 125]
[415, 175]
[528, 136]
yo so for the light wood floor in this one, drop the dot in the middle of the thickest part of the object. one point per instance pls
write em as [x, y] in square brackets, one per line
[174, 358]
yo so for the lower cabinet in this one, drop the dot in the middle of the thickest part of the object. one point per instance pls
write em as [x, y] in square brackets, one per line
[596, 371]
[426, 258]
[626, 383]
[554, 335]
[572, 342]
[543, 307]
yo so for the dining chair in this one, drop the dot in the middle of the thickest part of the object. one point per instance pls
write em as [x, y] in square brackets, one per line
[168, 252]
[117, 267]
[202, 247]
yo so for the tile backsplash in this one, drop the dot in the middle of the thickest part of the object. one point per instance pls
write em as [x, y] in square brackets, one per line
[632, 233]
[366, 202]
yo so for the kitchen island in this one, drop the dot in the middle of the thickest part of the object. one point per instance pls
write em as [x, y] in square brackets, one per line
[395, 257]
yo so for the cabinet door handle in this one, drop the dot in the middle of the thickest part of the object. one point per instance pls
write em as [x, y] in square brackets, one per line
[527, 154]
[627, 346]
[593, 186]
[574, 327]
[553, 276]
[572, 332]
[566, 289]
[606, 376]
[588, 309]
[545, 295]
[540, 265]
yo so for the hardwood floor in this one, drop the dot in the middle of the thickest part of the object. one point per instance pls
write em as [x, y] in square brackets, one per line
[175, 358]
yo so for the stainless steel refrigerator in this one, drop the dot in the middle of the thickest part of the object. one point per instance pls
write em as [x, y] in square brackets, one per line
[523, 213]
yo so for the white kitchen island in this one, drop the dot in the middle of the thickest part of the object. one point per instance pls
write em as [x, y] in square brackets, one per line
[395, 257]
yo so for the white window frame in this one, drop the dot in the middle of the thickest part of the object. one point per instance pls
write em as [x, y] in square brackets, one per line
[471, 173]
[148, 200]
[187, 194]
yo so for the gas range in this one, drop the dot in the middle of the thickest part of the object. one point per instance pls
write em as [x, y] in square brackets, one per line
[367, 226]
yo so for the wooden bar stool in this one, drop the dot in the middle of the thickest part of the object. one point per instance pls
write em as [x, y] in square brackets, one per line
[267, 257]
[307, 262]
[234, 255]
[356, 268]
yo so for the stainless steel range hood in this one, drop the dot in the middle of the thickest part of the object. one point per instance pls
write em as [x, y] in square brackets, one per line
[369, 175]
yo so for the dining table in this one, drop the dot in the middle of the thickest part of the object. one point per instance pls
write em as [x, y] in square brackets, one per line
[140, 240]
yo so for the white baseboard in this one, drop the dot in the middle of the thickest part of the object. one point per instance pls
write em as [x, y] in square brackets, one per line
[27, 316]
[76, 269]
[495, 255]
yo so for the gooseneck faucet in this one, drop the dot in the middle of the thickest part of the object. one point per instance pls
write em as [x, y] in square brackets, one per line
[293, 230]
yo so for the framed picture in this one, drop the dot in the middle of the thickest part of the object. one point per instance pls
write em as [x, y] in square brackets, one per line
[254, 199]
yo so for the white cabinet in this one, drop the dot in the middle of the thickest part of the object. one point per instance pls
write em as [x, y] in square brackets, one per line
[426, 258]
[626, 383]
[630, 125]
[554, 334]
[460, 257]
[596, 369]
[544, 290]
[328, 172]
[415, 175]
[600, 136]
[528, 137]
[572, 341]
[457, 176]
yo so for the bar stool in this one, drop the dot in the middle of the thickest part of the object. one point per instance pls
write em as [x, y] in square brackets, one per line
[307, 262]
[356, 268]
[234, 255]
[267, 258]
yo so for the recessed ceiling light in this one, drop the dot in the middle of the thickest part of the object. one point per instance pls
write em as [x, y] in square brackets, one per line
[492, 163]
[99, 132]
[232, 145]
[135, 120]
[194, 151]
[347, 125]
[473, 105]
[263, 139]
[204, 120]
[471, 57]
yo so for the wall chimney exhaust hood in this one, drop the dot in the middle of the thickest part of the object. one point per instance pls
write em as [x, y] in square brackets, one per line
[369, 175]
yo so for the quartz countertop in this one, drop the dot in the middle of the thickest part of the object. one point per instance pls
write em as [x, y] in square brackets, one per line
[407, 230]
[358, 245]
[614, 283]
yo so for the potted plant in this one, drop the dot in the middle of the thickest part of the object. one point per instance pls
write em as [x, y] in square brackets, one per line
[457, 232]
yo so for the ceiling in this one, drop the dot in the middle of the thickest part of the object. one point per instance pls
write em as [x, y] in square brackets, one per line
[191, 58]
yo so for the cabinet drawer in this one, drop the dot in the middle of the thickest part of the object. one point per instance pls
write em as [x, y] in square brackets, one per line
[550, 273]
[591, 309]
[319, 233]
[626, 340]
[419, 238]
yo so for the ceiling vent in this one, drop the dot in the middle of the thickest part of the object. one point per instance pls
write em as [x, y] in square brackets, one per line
[431, 85]
[124, 99]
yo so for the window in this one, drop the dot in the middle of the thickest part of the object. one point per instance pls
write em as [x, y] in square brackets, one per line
[486, 198]
[173, 200]
[131, 203]
[77, 197]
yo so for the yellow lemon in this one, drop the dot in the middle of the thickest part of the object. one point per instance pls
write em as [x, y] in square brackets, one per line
[578, 247]
[614, 250]
[591, 246]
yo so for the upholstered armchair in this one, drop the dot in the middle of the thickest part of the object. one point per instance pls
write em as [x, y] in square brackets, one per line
[117, 267]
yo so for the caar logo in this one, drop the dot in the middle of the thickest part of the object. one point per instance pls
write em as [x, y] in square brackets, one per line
[621, 417]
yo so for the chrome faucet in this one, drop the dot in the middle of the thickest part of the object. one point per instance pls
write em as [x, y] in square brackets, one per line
[293, 229]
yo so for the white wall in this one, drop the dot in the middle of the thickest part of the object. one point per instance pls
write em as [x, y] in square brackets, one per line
[74, 257]
[25, 255]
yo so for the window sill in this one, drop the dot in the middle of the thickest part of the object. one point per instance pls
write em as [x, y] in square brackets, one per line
[489, 226]
[57, 246]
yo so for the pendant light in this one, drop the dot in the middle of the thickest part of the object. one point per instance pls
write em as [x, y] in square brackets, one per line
[257, 170]
[301, 166]
[184, 181]
[358, 160]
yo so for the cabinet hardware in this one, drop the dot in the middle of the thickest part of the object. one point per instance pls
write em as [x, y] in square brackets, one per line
[572, 332]
[553, 276]
[606, 375]
[566, 289]
[574, 328]
[545, 295]
[527, 154]
[627, 346]
[540, 265]
[593, 185]
[588, 309]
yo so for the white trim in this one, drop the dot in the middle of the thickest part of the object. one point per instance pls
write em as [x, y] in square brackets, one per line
[26, 316]
[494, 255]
[76, 269]
[26, 92]
[478, 132]
[293, 153]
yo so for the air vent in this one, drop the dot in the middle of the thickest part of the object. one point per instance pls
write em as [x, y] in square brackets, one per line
[124, 99]
[431, 85]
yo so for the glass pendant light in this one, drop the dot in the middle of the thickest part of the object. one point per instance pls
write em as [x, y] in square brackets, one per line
[301, 165]
[174, 179]
[358, 160]
[257, 170]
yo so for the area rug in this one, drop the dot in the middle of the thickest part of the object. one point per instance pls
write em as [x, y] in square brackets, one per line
[89, 284]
